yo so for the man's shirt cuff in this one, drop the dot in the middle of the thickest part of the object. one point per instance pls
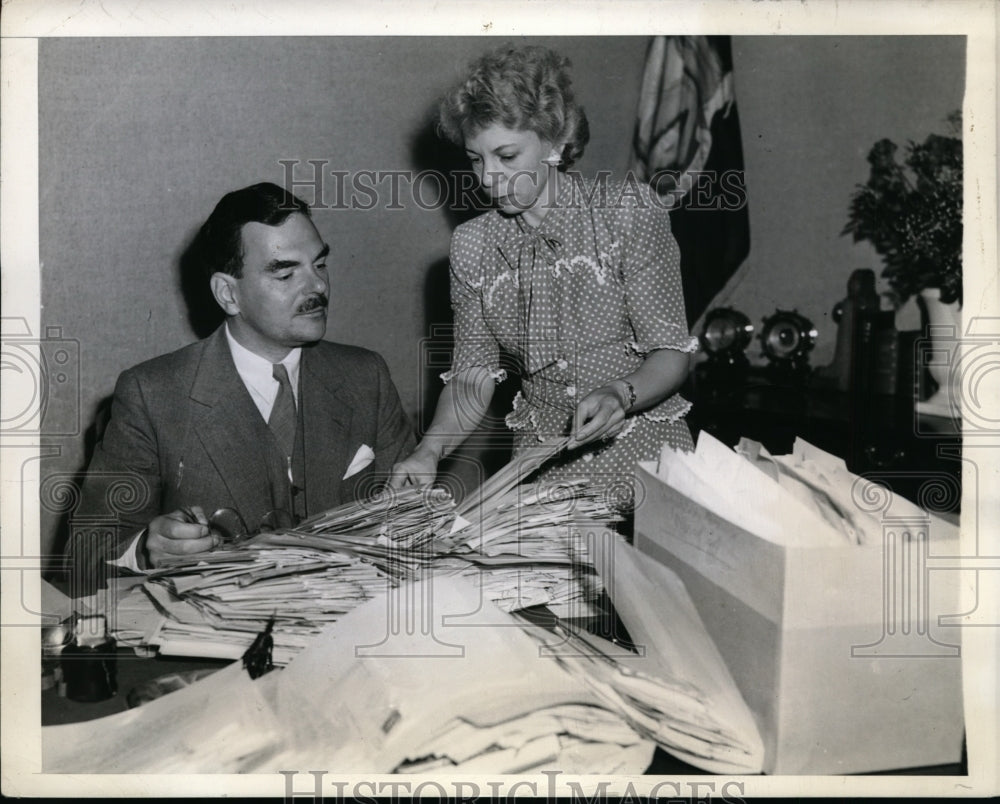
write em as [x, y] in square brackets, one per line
[130, 558]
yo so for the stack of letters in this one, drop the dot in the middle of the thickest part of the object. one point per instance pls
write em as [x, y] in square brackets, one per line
[523, 545]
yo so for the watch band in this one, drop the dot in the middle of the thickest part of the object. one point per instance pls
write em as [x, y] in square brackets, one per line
[631, 394]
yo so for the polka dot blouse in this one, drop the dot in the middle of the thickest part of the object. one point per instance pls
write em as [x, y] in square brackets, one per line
[578, 301]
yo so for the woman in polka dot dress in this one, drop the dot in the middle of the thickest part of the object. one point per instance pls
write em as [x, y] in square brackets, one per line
[579, 280]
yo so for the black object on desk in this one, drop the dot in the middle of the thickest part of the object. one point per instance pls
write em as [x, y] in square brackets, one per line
[133, 672]
[89, 662]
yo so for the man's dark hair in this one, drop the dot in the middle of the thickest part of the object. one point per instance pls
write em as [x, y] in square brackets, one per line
[219, 242]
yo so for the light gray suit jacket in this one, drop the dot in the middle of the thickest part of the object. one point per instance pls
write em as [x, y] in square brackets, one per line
[184, 431]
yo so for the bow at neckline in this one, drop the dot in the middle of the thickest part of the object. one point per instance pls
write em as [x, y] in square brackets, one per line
[531, 254]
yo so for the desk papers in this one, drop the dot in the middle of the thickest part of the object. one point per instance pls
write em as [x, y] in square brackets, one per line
[774, 505]
[522, 544]
[488, 693]
[412, 663]
[490, 702]
[700, 715]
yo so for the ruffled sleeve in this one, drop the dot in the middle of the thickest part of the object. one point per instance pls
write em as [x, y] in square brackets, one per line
[475, 345]
[651, 271]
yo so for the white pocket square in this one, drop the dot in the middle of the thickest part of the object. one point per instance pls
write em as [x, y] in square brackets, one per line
[361, 459]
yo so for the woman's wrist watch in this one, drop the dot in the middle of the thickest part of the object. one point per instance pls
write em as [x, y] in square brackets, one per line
[628, 400]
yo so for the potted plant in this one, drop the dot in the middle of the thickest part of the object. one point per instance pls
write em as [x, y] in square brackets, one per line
[911, 213]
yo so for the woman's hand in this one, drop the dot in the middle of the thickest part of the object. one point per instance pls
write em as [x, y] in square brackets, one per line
[418, 470]
[460, 409]
[600, 414]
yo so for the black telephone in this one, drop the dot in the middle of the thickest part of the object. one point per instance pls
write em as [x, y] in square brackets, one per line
[867, 348]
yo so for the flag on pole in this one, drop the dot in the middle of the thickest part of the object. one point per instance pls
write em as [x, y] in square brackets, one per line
[687, 146]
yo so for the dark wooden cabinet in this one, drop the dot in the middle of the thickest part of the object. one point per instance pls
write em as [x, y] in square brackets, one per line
[879, 436]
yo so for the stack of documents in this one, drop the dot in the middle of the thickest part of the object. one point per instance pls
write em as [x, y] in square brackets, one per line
[470, 693]
[371, 695]
[393, 530]
[364, 697]
[216, 607]
[523, 545]
[674, 687]
[528, 545]
[806, 498]
[762, 495]
[570, 738]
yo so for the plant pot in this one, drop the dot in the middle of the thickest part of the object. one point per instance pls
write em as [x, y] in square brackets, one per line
[940, 355]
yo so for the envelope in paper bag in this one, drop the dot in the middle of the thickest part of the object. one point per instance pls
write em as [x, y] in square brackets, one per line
[836, 649]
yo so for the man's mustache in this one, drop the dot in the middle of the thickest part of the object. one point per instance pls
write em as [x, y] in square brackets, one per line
[313, 302]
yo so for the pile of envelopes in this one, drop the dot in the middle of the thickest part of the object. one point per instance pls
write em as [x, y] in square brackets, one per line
[521, 543]
[479, 691]
[834, 602]
[411, 660]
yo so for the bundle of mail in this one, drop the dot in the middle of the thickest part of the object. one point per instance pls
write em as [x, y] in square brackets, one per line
[819, 589]
[800, 499]
[523, 544]
[366, 696]
[397, 623]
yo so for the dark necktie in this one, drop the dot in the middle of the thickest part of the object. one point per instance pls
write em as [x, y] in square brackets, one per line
[282, 421]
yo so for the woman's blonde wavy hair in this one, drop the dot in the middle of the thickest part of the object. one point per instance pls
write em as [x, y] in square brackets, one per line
[525, 89]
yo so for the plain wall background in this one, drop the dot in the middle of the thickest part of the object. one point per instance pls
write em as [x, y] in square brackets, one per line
[139, 138]
[810, 110]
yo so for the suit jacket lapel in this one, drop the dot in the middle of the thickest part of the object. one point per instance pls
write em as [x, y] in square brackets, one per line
[326, 425]
[228, 424]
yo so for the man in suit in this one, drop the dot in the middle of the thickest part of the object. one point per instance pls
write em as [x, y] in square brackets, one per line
[262, 416]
